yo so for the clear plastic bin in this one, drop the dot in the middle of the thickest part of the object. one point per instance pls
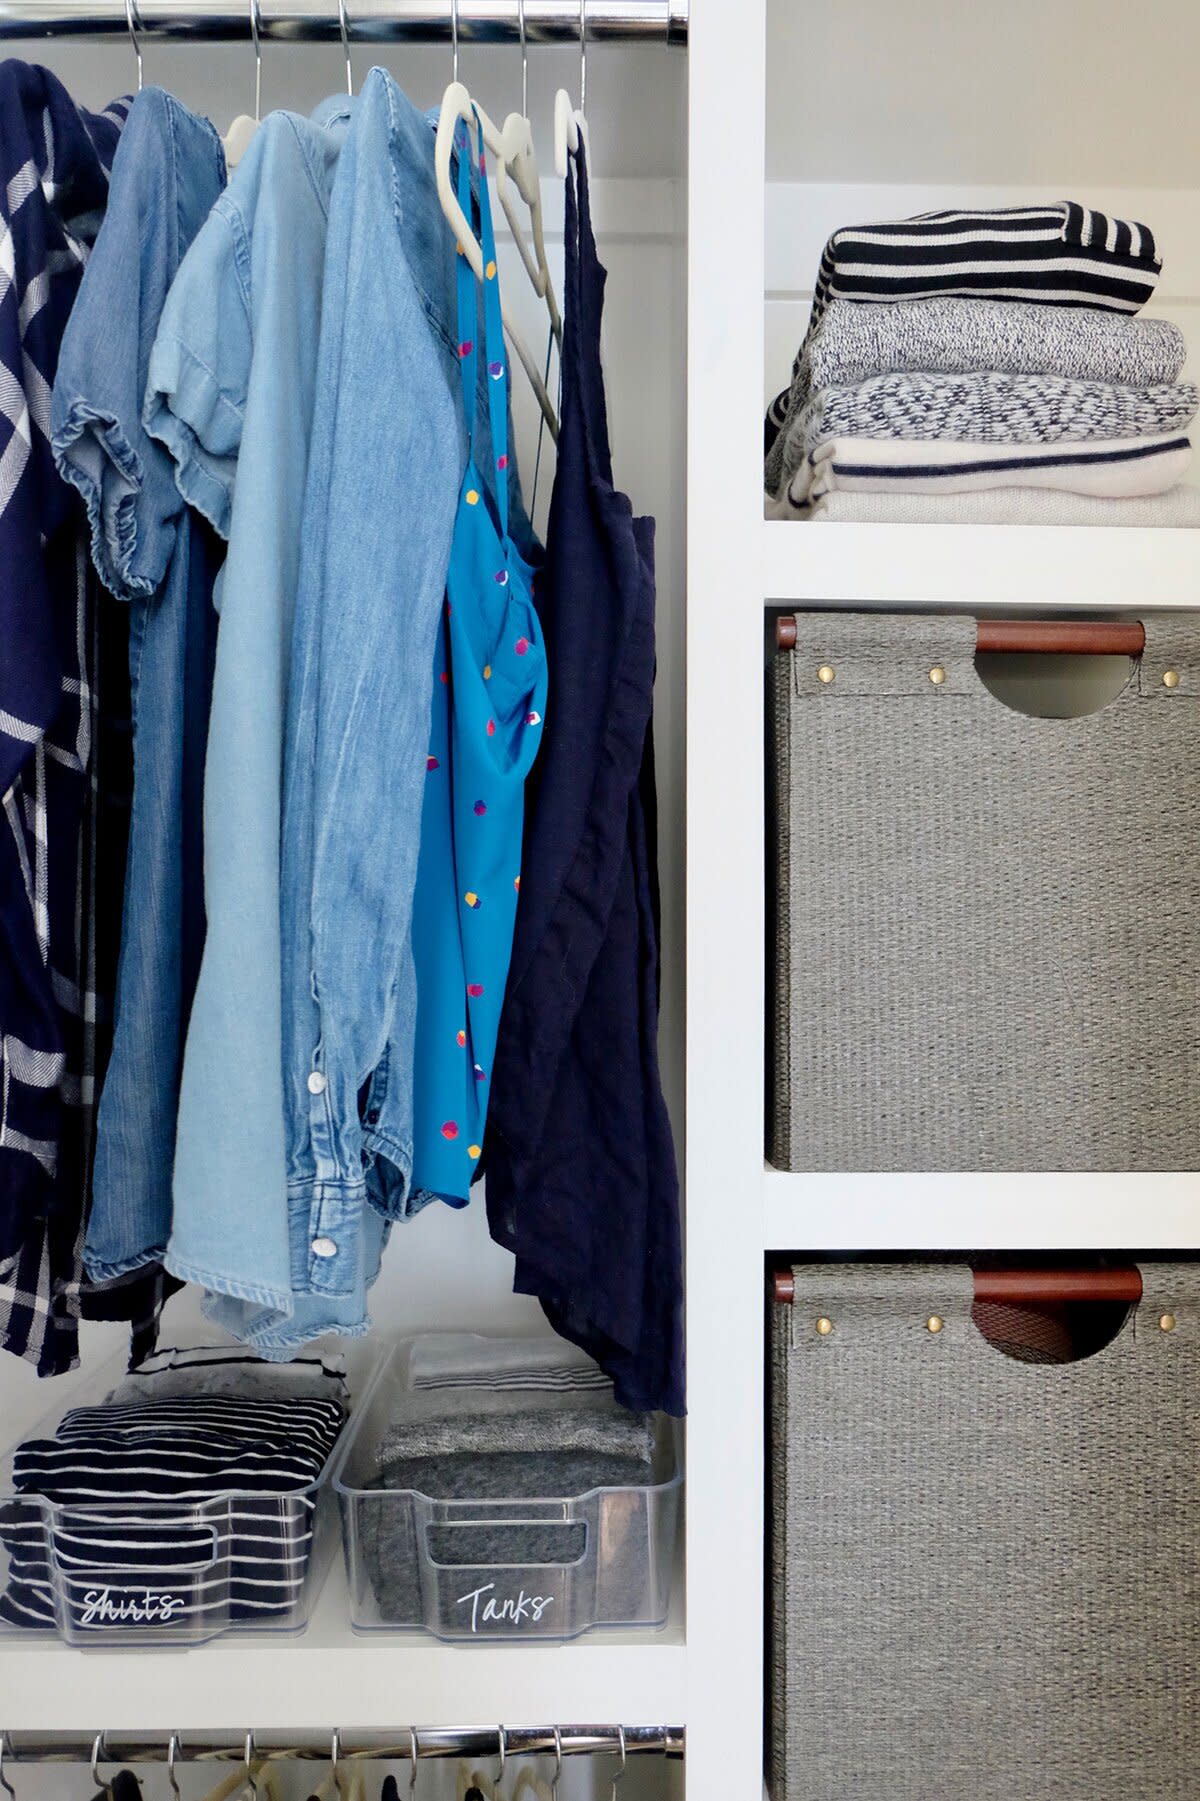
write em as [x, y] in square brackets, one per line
[529, 1567]
[94, 1568]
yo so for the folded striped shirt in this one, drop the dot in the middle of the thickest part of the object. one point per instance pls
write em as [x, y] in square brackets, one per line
[1106, 466]
[180, 1512]
[991, 408]
[1061, 254]
[466, 1360]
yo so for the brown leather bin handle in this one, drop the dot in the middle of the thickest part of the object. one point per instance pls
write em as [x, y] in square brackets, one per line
[1027, 1286]
[1067, 637]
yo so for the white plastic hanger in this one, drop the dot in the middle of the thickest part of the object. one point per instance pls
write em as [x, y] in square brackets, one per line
[240, 134]
[457, 104]
[570, 125]
[536, 1787]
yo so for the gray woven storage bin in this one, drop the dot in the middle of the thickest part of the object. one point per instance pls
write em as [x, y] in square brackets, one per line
[985, 1573]
[986, 924]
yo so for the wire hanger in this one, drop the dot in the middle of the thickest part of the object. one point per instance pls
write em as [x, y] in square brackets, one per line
[173, 1748]
[570, 125]
[130, 15]
[619, 1774]
[102, 1787]
[241, 133]
[457, 105]
[516, 159]
[358, 1783]
[344, 27]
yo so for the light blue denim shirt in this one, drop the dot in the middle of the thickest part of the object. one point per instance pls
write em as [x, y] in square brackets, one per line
[233, 386]
[161, 559]
[387, 458]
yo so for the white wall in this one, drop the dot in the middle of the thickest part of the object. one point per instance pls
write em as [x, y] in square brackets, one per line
[982, 92]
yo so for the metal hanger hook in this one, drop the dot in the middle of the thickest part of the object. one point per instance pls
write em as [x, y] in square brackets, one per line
[557, 1776]
[98, 1742]
[619, 1776]
[173, 1749]
[248, 1760]
[130, 18]
[255, 31]
[583, 57]
[502, 1740]
[5, 1784]
[524, 59]
[454, 39]
[414, 1752]
[344, 27]
[335, 1753]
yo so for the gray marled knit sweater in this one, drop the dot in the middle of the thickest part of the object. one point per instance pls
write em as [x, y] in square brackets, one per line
[986, 408]
[852, 342]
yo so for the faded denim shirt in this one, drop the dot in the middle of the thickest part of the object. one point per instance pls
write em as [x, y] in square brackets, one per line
[151, 551]
[233, 386]
[387, 458]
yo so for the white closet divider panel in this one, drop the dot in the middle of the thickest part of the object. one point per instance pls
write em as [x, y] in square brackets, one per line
[727, 49]
[949, 1210]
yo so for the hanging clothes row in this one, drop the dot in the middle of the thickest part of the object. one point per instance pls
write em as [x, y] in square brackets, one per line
[271, 532]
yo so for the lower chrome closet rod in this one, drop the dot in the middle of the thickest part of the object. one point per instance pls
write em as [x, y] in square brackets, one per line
[367, 21]
[431, 1741]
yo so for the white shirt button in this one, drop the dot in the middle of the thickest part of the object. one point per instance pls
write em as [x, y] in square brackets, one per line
[317, 1083]
[324, 1247]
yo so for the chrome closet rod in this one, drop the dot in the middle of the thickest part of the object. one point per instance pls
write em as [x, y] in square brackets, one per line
[431, 1741]
[368, 21]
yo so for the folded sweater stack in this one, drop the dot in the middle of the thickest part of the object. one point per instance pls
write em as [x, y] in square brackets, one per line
[986, 367]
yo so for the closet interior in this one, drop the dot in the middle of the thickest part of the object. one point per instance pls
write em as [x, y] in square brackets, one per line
[266, 1596]
[830, 1255]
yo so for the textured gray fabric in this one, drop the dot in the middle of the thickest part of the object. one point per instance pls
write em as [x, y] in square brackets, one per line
[985, 1573]
[230, 1370]
[986, 923]
[957, 334]
[1178, 507]
[537, 1448]
[531, 1431]
[391, 1539]
[852, 341]
[988, 407]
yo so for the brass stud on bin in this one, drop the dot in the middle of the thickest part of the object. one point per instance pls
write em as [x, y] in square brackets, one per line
[934, 1323]
[937, 675]
[1171, 678]
[1167, 1323]
[826, 673]
[824, 1326]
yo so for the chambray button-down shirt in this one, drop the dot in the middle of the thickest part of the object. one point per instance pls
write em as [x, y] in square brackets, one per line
[233, 386]
[161, 559]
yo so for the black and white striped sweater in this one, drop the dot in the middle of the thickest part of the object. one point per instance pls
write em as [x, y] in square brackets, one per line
[1062, 254]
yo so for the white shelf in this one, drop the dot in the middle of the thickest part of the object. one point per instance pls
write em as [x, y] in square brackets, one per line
[331, 1674]
[1044, 567]
[902, 1211]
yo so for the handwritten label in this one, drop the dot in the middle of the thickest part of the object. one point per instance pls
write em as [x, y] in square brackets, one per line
[515, 1610]
[129, 1608]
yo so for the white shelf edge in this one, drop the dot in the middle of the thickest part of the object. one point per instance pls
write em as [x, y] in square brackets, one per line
[1043, 567]
[948, 1211]
[331, 1676]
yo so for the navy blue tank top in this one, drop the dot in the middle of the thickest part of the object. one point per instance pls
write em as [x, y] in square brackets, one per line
[581, 1178]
